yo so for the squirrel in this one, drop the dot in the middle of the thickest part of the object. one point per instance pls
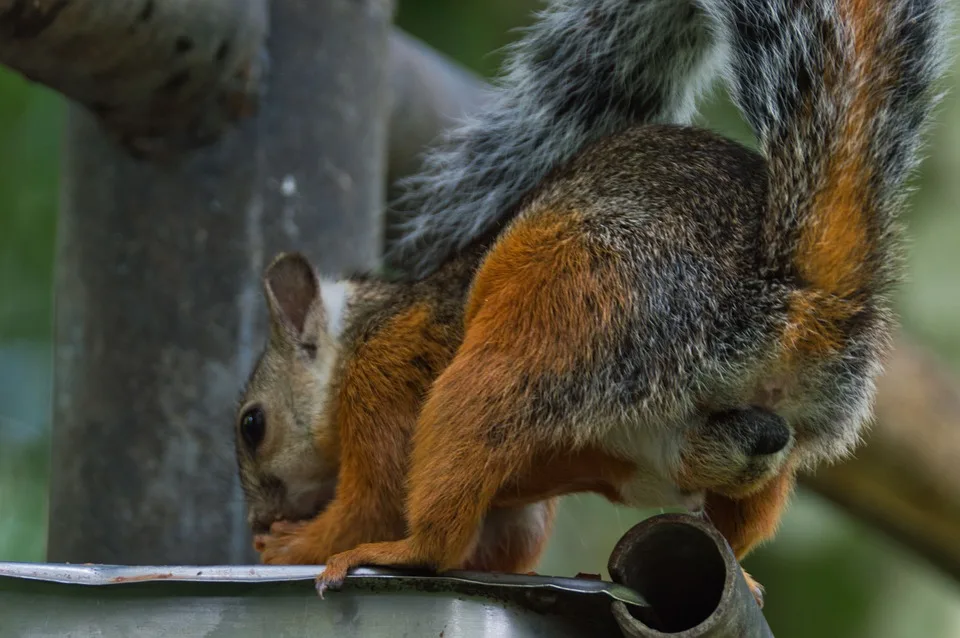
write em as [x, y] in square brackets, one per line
[643, 296]
[325, 421]
[333, 400]
[296, 413]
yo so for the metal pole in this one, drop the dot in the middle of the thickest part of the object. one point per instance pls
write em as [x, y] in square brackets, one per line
[157, 307]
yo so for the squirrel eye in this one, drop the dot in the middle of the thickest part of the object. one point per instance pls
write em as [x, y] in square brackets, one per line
[253, 426]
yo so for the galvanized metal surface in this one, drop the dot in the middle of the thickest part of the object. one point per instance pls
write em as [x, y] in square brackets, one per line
[239, 601]
[678, 578]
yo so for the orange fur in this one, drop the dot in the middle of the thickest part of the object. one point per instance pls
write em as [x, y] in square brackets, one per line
[544, 297]
[516, 552]
[534, 309]
[813, 327]
[377, 405]
[376, 408]
[336, 529]
[748, 521]
[554, 472]
[834, 249]
[538, 304]
[451, 444]
[379, 397]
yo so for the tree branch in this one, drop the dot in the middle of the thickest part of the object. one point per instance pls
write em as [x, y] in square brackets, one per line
[906, 479]
[170, 76]
[162, 75]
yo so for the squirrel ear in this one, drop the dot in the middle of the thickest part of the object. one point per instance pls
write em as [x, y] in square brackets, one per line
[291, 286]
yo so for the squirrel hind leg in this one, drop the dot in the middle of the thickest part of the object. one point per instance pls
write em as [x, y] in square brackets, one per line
[475, 445]
[512, 539]
[456, 470]
[747, 522]
[452, 487]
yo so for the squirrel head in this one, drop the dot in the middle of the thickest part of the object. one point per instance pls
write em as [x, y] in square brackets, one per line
[286, 443]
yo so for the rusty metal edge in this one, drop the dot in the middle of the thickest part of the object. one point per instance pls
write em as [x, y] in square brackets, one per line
[114, 575]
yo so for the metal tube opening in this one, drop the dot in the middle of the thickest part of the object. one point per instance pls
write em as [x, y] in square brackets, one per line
[676, 567]
[688, 575]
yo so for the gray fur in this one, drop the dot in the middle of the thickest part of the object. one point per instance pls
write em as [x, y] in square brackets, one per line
[582, 71]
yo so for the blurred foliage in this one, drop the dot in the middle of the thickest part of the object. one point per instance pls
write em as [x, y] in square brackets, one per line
[826, 575]
[30, 127]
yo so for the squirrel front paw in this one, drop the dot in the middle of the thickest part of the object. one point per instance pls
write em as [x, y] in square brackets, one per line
[286, 544]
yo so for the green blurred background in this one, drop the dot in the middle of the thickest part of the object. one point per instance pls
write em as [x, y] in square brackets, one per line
[826, 575]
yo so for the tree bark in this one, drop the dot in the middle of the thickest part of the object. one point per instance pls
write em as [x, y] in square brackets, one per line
[175, 75]
[162, 75]
[158, 308]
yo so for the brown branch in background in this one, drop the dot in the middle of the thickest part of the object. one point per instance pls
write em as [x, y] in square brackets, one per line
[162, 75]
[906, 479]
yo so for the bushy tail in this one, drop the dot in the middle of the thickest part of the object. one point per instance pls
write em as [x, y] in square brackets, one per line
[838, 93]
[585, 69]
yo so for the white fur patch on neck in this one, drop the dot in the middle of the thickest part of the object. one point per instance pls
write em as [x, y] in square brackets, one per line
[335, 296]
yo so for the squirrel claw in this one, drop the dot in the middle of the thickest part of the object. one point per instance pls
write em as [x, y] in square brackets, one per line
[755, 588]
[328, 580]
